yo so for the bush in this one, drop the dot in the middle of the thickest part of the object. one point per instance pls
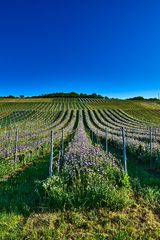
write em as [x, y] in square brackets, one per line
[87, 190]
[125, 181]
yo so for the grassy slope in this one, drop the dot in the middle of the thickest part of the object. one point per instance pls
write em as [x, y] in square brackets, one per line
[146, 115]
[21, 215]
[24, 217]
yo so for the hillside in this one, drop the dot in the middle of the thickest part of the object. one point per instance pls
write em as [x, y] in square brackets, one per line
[79, 169]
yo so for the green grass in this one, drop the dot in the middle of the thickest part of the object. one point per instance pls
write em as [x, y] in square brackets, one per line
[136, 222]
[25, 214]
[17, 194]
[152, 116]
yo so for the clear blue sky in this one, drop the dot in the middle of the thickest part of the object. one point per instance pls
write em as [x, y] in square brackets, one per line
[111, 47]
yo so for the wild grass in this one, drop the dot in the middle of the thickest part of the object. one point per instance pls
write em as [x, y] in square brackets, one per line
[119, 208]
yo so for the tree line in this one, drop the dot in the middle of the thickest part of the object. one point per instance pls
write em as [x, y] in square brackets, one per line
[79, 95]
[62, 95]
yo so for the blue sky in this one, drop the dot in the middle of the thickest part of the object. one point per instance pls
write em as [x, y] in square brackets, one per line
[109, 47]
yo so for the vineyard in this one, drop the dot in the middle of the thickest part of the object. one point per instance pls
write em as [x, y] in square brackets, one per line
[58, 154]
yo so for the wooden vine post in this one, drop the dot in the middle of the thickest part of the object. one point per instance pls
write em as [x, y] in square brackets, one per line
[124, 150]
[9, 144]
[97, 136]
[62, 152]
[106, 136]
[150, 147]
[16, 146]
[51, 155]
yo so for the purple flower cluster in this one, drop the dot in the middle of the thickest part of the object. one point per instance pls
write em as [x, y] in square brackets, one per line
[81, 155]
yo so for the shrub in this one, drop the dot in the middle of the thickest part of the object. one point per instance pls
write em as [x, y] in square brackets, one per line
[87, 190]
[125, 180]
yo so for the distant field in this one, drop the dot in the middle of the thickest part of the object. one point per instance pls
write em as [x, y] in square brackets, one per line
[144, 110]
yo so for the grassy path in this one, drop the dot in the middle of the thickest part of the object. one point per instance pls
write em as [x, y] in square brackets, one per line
[17, 194]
